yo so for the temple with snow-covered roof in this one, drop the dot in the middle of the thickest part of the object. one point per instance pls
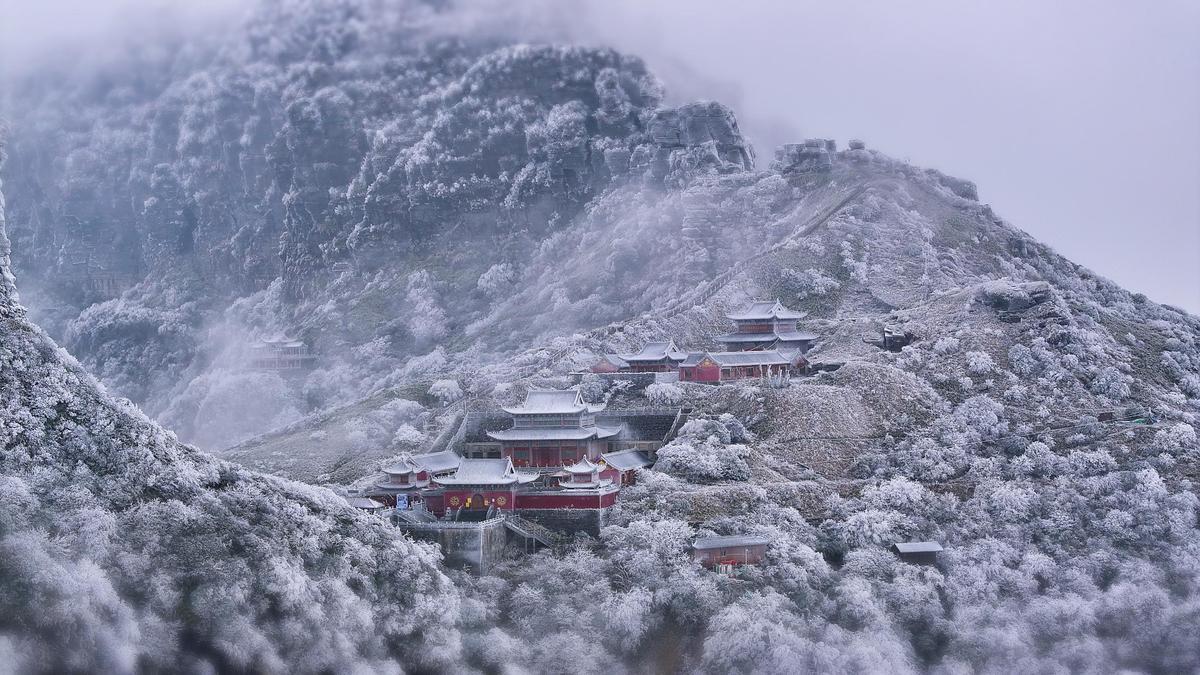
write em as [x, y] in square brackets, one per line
[767, 324]
[767, 343]
[281, 354]
[553, 428]
[654, 357]
[716, 367]
[582, 491]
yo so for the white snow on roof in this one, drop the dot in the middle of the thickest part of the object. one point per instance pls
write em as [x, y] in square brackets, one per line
[549, 401]
[766, 309]
[434, 462]
[437, 462]
[584, 465]
[567, 434]
[365, 503]
[918, 547]
[655, 351]
[704, 543]
[486, 472]
[783, 336]
[767, 357]
[626, 460]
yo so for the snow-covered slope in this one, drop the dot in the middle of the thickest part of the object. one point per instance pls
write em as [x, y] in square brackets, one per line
[123, 550]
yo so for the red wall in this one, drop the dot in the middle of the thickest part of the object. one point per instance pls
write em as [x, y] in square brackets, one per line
[701, 373]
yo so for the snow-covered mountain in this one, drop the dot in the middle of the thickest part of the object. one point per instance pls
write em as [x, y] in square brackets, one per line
[419, 208]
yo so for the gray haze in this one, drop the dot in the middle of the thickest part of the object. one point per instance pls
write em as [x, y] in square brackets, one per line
[1078, 120]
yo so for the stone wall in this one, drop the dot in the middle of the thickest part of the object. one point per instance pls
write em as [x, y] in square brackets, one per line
[569, 521]
[475, 546]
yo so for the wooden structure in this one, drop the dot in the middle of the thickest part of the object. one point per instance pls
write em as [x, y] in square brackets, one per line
[282, 354]
[723, 554]
[767, 324]
[553, 428]
[717, 367]
[918, 552]
[654, 357]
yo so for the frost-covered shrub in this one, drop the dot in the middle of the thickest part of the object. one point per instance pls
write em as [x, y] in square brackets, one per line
[806, 284]
[665, 394]
[407, 437]
[446, 391]
[592, 388]
[496, 280]
[1111, 383]
[946, 345]
[979, 363]
[1176, 439]
[702, 453]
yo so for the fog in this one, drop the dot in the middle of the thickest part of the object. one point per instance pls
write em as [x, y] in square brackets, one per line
[1078, 120]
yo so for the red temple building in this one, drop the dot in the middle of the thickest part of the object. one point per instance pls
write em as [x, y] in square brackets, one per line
[723, 554]
[717, 367]
[404, 480]
[480, 485]
[654, 357]
[767, 324]
[553, 428]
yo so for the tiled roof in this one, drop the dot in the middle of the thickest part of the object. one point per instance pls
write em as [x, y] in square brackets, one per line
[918, 547]
[626, 460]
[767, 357]
[766, 309]
[486, 472]
[552, 402]
[655, 351]
[783, 336]
[584, 465]
[704, 543]
[365, 503]
[561, 434]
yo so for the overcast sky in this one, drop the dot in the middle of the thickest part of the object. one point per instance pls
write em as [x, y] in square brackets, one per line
[1079, 121]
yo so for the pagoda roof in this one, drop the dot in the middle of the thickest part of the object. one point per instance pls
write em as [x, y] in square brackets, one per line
[766, 357]
[627, 460]
[486, 472]
[551, 402]
[655, 351]
[560, 434]
[780, 335]
[704, 543]
[434, 462]
[615, 360]
[439, 462]
[584, 465]
[766, 309]
[280, 342]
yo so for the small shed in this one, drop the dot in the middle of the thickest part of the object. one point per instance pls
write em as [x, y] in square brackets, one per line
[725, 553]
[918, 552]
[366, 504]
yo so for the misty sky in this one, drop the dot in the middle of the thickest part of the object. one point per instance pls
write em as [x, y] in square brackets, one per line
[1079, 121]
